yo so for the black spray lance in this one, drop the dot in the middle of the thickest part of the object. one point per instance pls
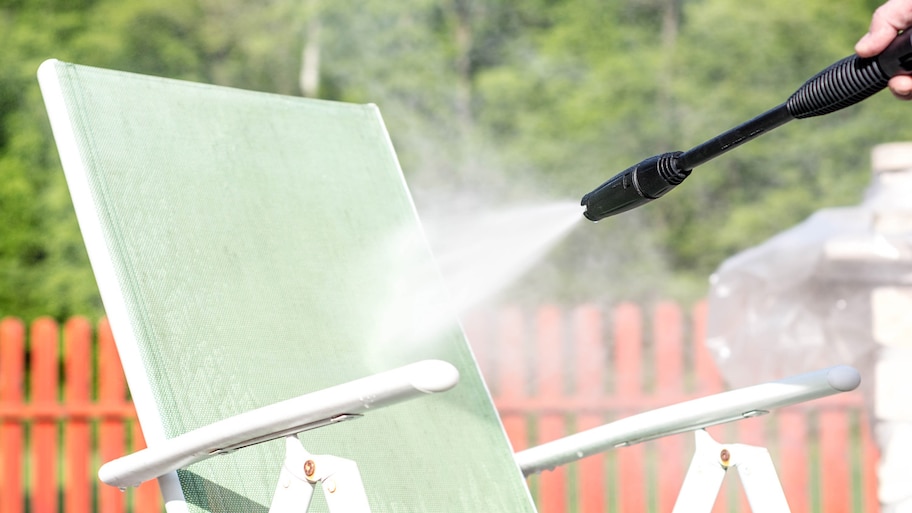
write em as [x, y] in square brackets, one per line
[845, 83]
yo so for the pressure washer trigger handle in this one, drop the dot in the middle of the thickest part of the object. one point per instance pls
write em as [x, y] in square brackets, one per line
[897, 58]
[851, 80]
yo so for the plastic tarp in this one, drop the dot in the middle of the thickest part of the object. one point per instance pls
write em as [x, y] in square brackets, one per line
[802, 299]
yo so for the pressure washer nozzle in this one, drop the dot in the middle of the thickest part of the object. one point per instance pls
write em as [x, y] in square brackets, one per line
[635, 186]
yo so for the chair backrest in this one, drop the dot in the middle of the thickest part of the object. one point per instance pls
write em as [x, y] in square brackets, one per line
[252, 247]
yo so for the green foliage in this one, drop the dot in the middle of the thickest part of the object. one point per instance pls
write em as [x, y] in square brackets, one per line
[508, 100]
[739, 60]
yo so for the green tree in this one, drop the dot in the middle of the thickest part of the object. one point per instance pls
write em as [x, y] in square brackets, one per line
[43, 268]
[508, 101]
[43, 265]
[740, 60]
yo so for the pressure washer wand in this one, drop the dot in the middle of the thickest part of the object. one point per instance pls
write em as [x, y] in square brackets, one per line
[844, 83]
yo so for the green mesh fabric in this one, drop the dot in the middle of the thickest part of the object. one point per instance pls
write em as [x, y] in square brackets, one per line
[265, 247]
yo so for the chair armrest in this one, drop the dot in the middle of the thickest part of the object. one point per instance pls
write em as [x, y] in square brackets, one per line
[308, 411]
[689, 416]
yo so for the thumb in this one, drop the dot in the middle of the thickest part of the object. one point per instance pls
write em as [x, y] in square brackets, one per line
[876, 40]
[886, 22]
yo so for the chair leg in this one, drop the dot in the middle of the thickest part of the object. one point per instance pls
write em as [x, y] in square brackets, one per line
[339, 478]
[707, 470]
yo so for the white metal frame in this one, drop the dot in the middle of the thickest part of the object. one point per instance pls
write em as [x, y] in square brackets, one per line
[301, 471]
[709, 466]
[341, 480]
[689, 416]
[317, 409]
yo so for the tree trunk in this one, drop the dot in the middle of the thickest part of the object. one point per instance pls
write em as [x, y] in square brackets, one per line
[462, 34]
[309, 79]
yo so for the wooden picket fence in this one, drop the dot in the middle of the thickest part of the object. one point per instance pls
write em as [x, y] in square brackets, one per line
[64, 409]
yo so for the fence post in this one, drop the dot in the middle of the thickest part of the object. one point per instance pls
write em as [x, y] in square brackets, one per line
[12, 377]
[111, 392]
[589, 386]
[477, 329]
[628, 358]
[550, 391]
[835, 477]
[668, 334]
[793, 457]
[708, 377]
[76, 393]
[870, 454]
[44, 447]
[512, 376]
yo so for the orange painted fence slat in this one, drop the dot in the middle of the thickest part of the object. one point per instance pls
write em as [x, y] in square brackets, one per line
[550, 380]
[552, 371]
[111, 431]
[793, 458]
[77, 436]
[12, 433]
[628, 377]
[590, 357]
[668, 355]
[44, 430]
[71, 428]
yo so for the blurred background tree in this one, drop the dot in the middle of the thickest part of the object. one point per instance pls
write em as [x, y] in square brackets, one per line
[506, 102]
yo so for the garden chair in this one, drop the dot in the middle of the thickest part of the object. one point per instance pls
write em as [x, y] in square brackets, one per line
[271, 293]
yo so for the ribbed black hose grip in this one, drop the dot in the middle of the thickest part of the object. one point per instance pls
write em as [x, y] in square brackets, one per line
[845, 83]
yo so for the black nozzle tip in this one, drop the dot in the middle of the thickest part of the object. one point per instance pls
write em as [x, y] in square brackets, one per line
[585, 203]
[635, 186]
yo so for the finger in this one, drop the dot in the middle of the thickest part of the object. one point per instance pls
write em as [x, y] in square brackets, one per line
[875, 41]
[901, 87]
[887, 20]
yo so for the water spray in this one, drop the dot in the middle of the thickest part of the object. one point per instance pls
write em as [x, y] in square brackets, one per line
[844, 83]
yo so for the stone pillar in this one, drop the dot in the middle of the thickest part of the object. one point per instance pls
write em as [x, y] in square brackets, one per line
[834, 289]
[891, 316]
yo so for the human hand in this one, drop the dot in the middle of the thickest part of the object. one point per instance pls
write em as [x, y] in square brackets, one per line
[887, 21]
